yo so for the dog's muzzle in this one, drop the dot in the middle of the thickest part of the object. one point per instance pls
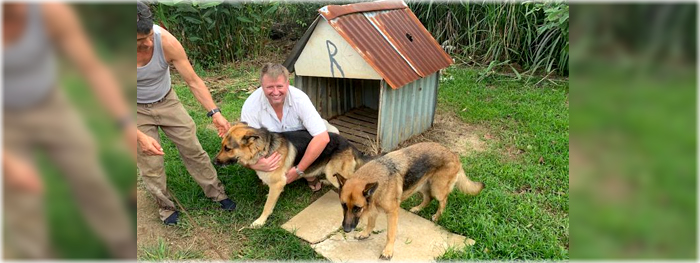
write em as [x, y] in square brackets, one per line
[217, 162]
[347, 228]
[350, 226]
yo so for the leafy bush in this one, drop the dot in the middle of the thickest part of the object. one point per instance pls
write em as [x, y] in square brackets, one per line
[216, 32]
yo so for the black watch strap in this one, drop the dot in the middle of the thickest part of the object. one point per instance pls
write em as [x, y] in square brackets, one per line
[212, 112]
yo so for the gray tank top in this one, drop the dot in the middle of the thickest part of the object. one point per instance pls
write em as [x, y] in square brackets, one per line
[153, 79]
[29, 64]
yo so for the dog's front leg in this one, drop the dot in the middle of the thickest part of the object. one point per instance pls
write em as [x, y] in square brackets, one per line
[371, 220]
[275, 191]
[392, 218]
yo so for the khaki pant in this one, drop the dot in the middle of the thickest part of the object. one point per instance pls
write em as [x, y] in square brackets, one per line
[170, 116]
[55, 127]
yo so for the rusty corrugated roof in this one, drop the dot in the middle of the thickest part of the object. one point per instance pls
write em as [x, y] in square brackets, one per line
[390, 38]
[341, 10]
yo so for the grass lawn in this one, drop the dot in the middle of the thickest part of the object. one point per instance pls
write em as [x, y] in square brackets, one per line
[522, 213]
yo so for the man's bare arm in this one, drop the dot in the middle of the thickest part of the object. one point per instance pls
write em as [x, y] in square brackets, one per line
[175, 53]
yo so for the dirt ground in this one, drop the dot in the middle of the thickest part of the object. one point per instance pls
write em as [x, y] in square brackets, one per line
[462, 138]
[150, 229]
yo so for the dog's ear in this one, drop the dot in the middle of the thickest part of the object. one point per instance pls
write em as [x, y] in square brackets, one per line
[250, 139]
[264, 133]
[341, 180]
[369, 189]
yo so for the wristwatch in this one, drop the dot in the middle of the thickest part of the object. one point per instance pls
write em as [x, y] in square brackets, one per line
[212, 112]
[299, 172]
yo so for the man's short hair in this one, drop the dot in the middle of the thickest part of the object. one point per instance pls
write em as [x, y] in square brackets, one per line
[144, 18]
[274, 70]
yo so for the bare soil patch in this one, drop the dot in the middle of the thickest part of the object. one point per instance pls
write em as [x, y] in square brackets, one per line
[453, 133]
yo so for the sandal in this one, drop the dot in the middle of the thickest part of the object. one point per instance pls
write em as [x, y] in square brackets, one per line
[313, 183]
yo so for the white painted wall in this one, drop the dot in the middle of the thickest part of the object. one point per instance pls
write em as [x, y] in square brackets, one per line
[315, 60]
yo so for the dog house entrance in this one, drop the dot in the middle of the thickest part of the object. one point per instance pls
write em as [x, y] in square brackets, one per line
[359, 126]
[351, 105]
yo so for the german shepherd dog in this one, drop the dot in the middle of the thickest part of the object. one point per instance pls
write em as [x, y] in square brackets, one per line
[246, 145]
[427, 168]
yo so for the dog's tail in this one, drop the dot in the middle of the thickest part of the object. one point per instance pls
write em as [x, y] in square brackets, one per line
[466, 185]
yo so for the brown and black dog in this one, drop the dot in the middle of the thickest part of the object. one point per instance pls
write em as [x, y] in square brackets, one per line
[246, 145]
[383, 183]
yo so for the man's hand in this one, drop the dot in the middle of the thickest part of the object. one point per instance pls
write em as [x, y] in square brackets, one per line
[222, 125]
[21, 174]
[292, 175]
[268, 164]
[149, 145]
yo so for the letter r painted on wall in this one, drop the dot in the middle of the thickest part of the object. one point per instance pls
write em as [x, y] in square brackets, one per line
[331, 55]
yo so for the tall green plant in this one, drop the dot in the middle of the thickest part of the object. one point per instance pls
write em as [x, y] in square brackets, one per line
[552, 45]
[533, 36]
[216, 32]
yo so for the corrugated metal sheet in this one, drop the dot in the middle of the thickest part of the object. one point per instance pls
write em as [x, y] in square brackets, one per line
[412, 40]
[406, 112]
[372, 46]
[333, 11]
[390, 38]
[335, 96]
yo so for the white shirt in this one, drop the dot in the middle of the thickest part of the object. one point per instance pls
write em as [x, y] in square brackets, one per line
[298, 113]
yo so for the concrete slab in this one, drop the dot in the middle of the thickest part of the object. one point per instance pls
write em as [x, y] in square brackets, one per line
[418, 239]
[316, 222]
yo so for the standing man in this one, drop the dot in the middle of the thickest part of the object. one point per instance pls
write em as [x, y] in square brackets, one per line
[279, 107]
[159, 107]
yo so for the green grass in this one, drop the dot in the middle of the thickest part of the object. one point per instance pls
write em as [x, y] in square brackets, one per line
[161, 251]
[522, 214]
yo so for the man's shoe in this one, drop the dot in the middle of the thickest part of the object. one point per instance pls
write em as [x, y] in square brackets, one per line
[227, 204]
[172, 219]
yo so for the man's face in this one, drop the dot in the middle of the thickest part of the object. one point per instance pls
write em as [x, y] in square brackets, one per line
[144, 42]
[275, 89]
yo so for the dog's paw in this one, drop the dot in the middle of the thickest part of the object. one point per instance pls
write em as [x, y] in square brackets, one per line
[415, 209]
[434, 218]
[257, 223]
[362, 235]
[386, 255]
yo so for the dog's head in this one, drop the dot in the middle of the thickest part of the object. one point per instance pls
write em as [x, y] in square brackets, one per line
[243, 144]
[355, 197]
